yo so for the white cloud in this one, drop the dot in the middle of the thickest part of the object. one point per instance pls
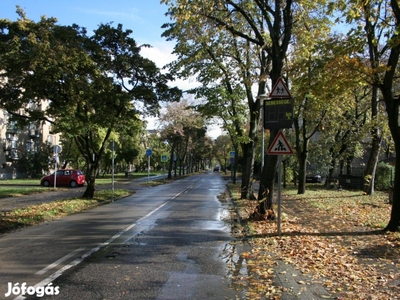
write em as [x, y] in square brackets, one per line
[161, 54]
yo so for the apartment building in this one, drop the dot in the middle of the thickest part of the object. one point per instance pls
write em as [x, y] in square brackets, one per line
[15, 141]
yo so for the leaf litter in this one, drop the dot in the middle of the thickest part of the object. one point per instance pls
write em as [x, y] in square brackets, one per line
[334, 238]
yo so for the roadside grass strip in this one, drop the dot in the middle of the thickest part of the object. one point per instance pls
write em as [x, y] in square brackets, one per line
[49, 211]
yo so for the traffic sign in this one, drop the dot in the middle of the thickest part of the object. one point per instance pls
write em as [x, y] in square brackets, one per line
[232, 154]
[164, 157]
[57, 149]
[278, 113]
[280, 145]
[280, 90]
[149, 152]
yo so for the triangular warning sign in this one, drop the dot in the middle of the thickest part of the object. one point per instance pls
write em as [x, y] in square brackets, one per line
[280, 90]
[280, 145]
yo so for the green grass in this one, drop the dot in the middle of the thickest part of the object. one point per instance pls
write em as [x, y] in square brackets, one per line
[372, 211]
[8, 191]
[107, 178]
[20, 187]
[45, 212]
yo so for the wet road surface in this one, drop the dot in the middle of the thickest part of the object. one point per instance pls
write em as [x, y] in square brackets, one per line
[164, 242]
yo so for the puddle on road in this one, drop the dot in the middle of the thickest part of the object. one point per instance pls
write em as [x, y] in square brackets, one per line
[236, 263]
[210, 225]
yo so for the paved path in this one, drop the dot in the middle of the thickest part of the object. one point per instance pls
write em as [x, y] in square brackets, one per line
[11, 203]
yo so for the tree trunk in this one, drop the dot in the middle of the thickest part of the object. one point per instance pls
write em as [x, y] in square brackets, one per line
[171, 160]
[302, 172]
[235, 164]
[392, 108]
[266, 190]
[89, 192]
[331, 170]
[247, 171]
[249, 148]
[302, 156]
[90, 181]
[369, 179]
[394, 222]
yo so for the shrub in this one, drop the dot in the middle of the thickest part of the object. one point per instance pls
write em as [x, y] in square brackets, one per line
[384, 176]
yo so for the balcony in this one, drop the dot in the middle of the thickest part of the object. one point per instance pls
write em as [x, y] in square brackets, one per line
[34, 133]
[13, 156]
[12, 129]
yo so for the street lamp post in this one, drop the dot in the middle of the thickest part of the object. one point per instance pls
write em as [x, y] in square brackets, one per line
[262, 97]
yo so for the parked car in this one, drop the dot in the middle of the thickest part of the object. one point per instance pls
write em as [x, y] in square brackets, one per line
[314, 178]
[72, 178]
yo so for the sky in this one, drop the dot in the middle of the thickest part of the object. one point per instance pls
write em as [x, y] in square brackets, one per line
[143, 17]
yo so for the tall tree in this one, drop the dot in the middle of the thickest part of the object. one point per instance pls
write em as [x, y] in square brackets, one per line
[223, 64]
[267, 25]
[378, 23]
[366, 41]
[308, 59]
[90, 83]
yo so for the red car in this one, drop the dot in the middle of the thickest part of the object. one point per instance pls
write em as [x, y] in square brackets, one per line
[72, 178]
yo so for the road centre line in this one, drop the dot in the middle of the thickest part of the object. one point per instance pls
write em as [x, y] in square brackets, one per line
[77, 261]
[180, 193]
[56, 263]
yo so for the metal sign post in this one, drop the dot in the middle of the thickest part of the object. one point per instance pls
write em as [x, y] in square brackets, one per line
[55, 170]
[148, 153]
[164, 158]
[278, 114]
[278, 147]
[56, 151]
[112, 167]
[148, 169]
[279, 193]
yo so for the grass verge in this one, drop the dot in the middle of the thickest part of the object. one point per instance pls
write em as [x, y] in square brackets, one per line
[46, 212]
[10, 191]
[357, 207]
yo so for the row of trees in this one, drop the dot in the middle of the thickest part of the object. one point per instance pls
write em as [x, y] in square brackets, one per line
[184, 139]
[87, 87]
[344, 83]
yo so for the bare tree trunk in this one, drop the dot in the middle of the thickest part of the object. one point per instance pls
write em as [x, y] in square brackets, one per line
[247, 172]
[301, 189]
[90, 181]
[370, 170]
[266, 190]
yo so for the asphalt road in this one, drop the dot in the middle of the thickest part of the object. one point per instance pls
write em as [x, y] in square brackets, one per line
[164, 242]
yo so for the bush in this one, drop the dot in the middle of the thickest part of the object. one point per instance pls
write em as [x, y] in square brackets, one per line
[384, 176]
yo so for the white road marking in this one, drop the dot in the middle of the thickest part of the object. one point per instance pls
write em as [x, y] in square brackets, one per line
[182, 192]
[77, 261]
[56, 263]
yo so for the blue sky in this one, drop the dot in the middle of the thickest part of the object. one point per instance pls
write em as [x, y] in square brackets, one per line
[144, 17]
